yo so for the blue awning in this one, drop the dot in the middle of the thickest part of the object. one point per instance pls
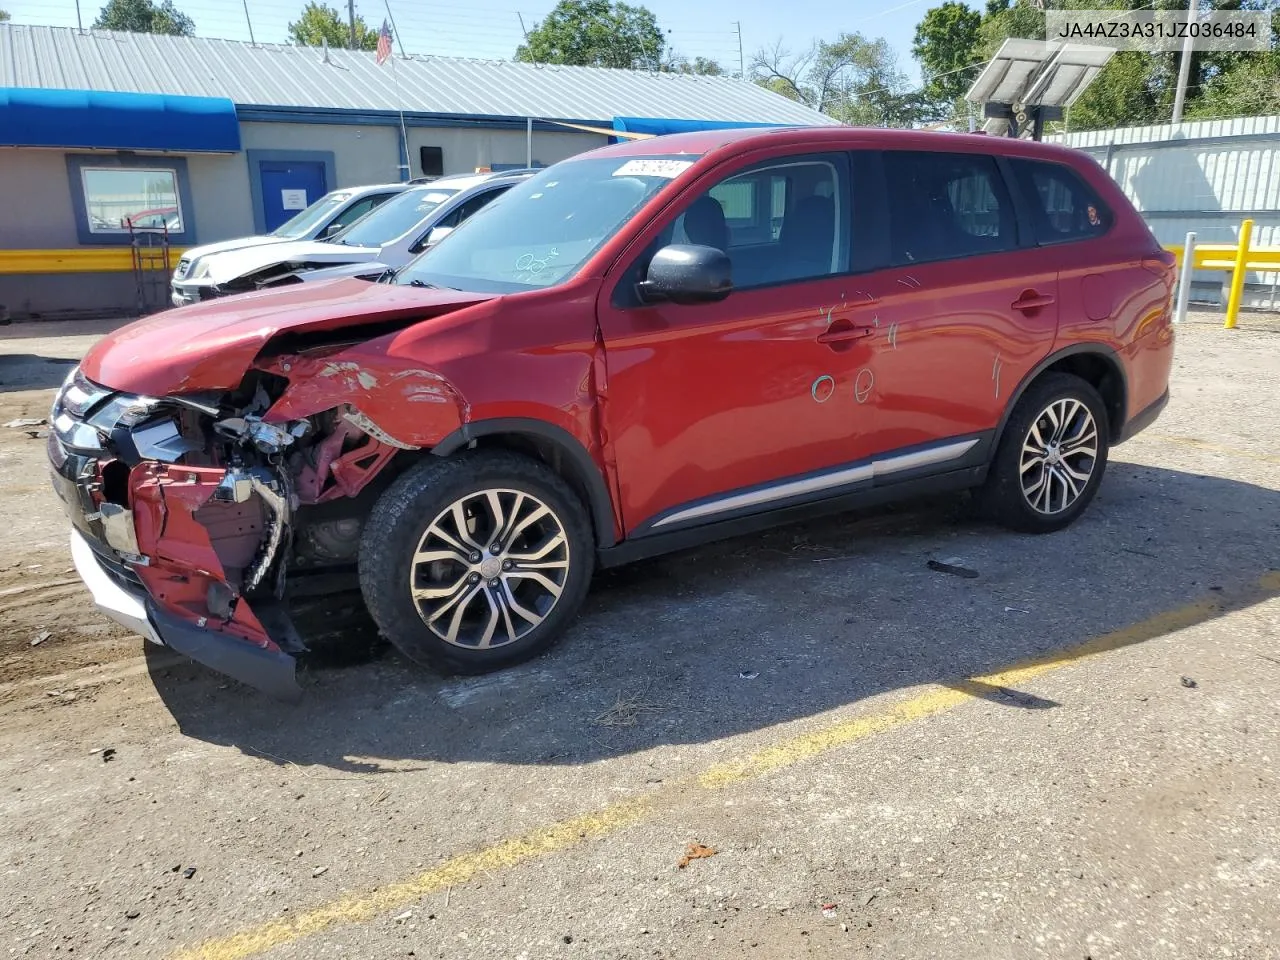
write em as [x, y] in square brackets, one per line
[659, 127]
[89, 119]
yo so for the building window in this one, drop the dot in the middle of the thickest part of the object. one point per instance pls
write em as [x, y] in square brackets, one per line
[120, 197]
[111, 193]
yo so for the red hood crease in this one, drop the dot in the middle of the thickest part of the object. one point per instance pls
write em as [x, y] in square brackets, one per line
[210, 345]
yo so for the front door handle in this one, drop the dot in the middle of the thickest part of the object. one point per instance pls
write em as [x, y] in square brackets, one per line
[1031, 301]
[844, 333]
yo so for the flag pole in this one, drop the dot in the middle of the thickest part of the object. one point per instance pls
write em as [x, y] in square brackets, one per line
[406, 168]
[384, 53]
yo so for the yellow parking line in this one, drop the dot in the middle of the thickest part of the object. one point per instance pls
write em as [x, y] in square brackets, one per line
[361, 907]
[1216, 448]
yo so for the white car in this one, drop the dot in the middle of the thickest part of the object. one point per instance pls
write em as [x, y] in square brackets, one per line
[388, 237]
[332, 213]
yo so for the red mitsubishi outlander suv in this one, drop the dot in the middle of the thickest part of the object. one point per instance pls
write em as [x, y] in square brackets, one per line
[639, 349]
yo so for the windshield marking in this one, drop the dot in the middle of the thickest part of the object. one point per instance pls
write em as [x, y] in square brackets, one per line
[670, 169]
[529, 267]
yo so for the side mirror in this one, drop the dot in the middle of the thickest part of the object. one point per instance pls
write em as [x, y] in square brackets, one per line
[333, 228]
[687, 273]
[436, 235]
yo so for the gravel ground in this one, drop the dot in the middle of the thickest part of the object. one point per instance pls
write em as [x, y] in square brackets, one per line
[831, 717]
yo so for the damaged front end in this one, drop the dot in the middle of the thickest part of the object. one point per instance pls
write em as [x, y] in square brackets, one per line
[188, 511]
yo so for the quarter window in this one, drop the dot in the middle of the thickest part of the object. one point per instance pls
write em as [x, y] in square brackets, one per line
[946, 205]
[1062, 206]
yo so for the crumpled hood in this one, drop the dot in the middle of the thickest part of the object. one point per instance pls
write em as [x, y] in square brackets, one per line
[223, 246]
[210, 345]
[224, 267]
[362, 269]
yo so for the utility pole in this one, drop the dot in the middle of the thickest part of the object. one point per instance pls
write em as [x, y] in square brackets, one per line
[79, 22]
[351, 18]
[1184, 68]
[742, 72]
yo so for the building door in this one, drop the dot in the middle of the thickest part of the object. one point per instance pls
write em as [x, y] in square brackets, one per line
[289, 186]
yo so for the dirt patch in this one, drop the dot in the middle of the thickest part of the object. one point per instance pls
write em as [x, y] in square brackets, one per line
[41, 593]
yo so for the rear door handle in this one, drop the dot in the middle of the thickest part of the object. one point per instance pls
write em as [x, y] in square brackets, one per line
[844, 333]
[1031, 302]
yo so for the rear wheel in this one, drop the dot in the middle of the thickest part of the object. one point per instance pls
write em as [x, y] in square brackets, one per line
[1051, 458]
[476, 563]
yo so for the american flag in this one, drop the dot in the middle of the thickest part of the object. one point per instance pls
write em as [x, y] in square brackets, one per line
[384, 42]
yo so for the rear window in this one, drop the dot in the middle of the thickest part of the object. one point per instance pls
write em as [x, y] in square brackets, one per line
[1062, 205]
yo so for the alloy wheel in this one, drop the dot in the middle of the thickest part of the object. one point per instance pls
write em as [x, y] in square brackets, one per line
[490, 568]
[1058, 456]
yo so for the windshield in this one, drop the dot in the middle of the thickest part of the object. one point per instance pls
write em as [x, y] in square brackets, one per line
[544, 229]
[393, 219]
[301, 224]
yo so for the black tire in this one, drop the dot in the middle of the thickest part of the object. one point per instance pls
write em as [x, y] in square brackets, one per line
[1002, 498]
[405, 511]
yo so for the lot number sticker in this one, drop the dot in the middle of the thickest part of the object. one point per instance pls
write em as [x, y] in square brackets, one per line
[670, 169]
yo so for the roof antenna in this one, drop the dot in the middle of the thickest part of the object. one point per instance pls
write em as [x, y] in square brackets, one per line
[324, 42]
[525, 31]
[252, 42]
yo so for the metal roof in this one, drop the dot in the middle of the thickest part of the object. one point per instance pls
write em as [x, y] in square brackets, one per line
[277, 75]
[1186, 130]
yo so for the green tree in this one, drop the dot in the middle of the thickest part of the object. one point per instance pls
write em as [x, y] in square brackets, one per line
[320, 23]
[944, 46]
[596, 33]
[702, 66]
[4, 15]
[143, 16]
[852, 79]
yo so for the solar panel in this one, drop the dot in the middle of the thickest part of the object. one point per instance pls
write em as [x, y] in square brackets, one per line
[1039, 72]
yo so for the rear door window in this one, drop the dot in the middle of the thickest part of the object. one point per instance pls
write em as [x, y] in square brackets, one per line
[1061, 205]
[944, 206]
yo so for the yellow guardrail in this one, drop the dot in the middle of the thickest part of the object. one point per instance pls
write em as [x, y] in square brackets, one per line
[82, 260]
[1234, 258]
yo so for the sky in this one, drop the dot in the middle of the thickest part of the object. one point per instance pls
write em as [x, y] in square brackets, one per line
[490, 29]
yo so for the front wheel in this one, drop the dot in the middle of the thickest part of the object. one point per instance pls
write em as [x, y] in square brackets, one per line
[1051, 458]
[475, 563]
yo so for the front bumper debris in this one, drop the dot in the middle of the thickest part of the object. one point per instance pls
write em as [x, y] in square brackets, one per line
[271, 671]
[167, 548]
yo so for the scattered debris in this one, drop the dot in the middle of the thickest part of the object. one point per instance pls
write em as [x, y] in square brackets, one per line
[26, 422]
[870, 897]
[1140, 553]
[1275, 660]
[319, 872]
[946, 566]
[1015, 610]
[748, 674]
[188, 873]
[401, 918]
[38, 434]
[829, 909]
[1189, 683]
[40, 638]
[625, 711]
[696, 851]
[133, 914]
[108, 754]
